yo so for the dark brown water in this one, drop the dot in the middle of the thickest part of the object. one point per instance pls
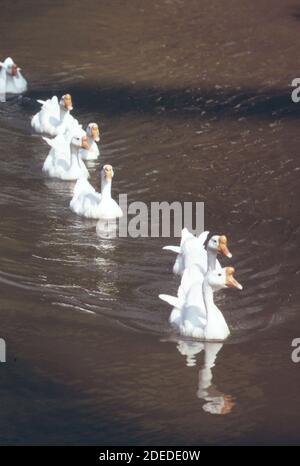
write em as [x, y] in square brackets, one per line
[193, 99]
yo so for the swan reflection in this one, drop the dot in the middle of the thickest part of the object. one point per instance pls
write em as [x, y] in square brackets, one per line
[106, 229]
[216, 402]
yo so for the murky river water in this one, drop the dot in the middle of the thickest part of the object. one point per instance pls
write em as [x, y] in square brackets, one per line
[193, 101]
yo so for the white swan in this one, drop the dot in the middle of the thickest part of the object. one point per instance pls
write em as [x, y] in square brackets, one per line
[192, 251]
[195, 313]
[11, 79]
[93, 136]
[88, 203]
[54, 117]
[63, 160]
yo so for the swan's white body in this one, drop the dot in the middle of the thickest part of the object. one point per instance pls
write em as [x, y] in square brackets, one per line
[11, 82]
[63, 160]
[54, 119]
[191, 251]
[195, 313]
[88, 203]
[92, 153]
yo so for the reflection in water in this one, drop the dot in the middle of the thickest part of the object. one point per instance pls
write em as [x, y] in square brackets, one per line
[106, 228]
[216, 401]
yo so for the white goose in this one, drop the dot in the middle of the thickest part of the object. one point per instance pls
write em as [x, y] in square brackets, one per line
[63, 160]
[192, 251]
[93, 136]
[54, 117]
[195, 313]
[88, 203]
[11, 79]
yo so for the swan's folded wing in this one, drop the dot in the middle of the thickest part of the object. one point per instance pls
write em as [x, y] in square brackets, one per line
[191, 276]
[60, 147]
[52, 107]
[82, 186]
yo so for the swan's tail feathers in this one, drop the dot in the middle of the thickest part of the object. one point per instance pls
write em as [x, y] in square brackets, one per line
[48, 141]
[175, 249]
[172, 300]
[203, 237]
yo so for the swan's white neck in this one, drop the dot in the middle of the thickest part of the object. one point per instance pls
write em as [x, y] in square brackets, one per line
[211, 259]
[62, 112]
[208, 298]
[105, 188]
[216, 327]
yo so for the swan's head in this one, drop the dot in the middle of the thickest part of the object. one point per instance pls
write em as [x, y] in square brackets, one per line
[93, 131]
[107, 172]
[223, 278]
[219, 244]
[10, 67]
[85, 143]
[66, 102]
[14, 70]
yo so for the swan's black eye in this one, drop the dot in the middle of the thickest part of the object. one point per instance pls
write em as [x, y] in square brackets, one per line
[219, 274]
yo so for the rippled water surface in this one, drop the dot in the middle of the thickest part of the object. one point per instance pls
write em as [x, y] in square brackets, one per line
[193, 101]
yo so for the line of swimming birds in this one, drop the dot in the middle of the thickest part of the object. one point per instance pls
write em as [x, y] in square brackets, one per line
[69, 145]
[194, 314]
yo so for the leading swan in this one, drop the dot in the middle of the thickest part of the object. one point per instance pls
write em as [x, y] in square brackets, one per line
[11, 79]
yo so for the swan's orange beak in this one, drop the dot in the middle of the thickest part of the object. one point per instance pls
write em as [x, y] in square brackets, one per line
[95, 133]
[223, 246]
[14, 70]
[68, 102]
[231, 282]
[85, 143]
[108, 172]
